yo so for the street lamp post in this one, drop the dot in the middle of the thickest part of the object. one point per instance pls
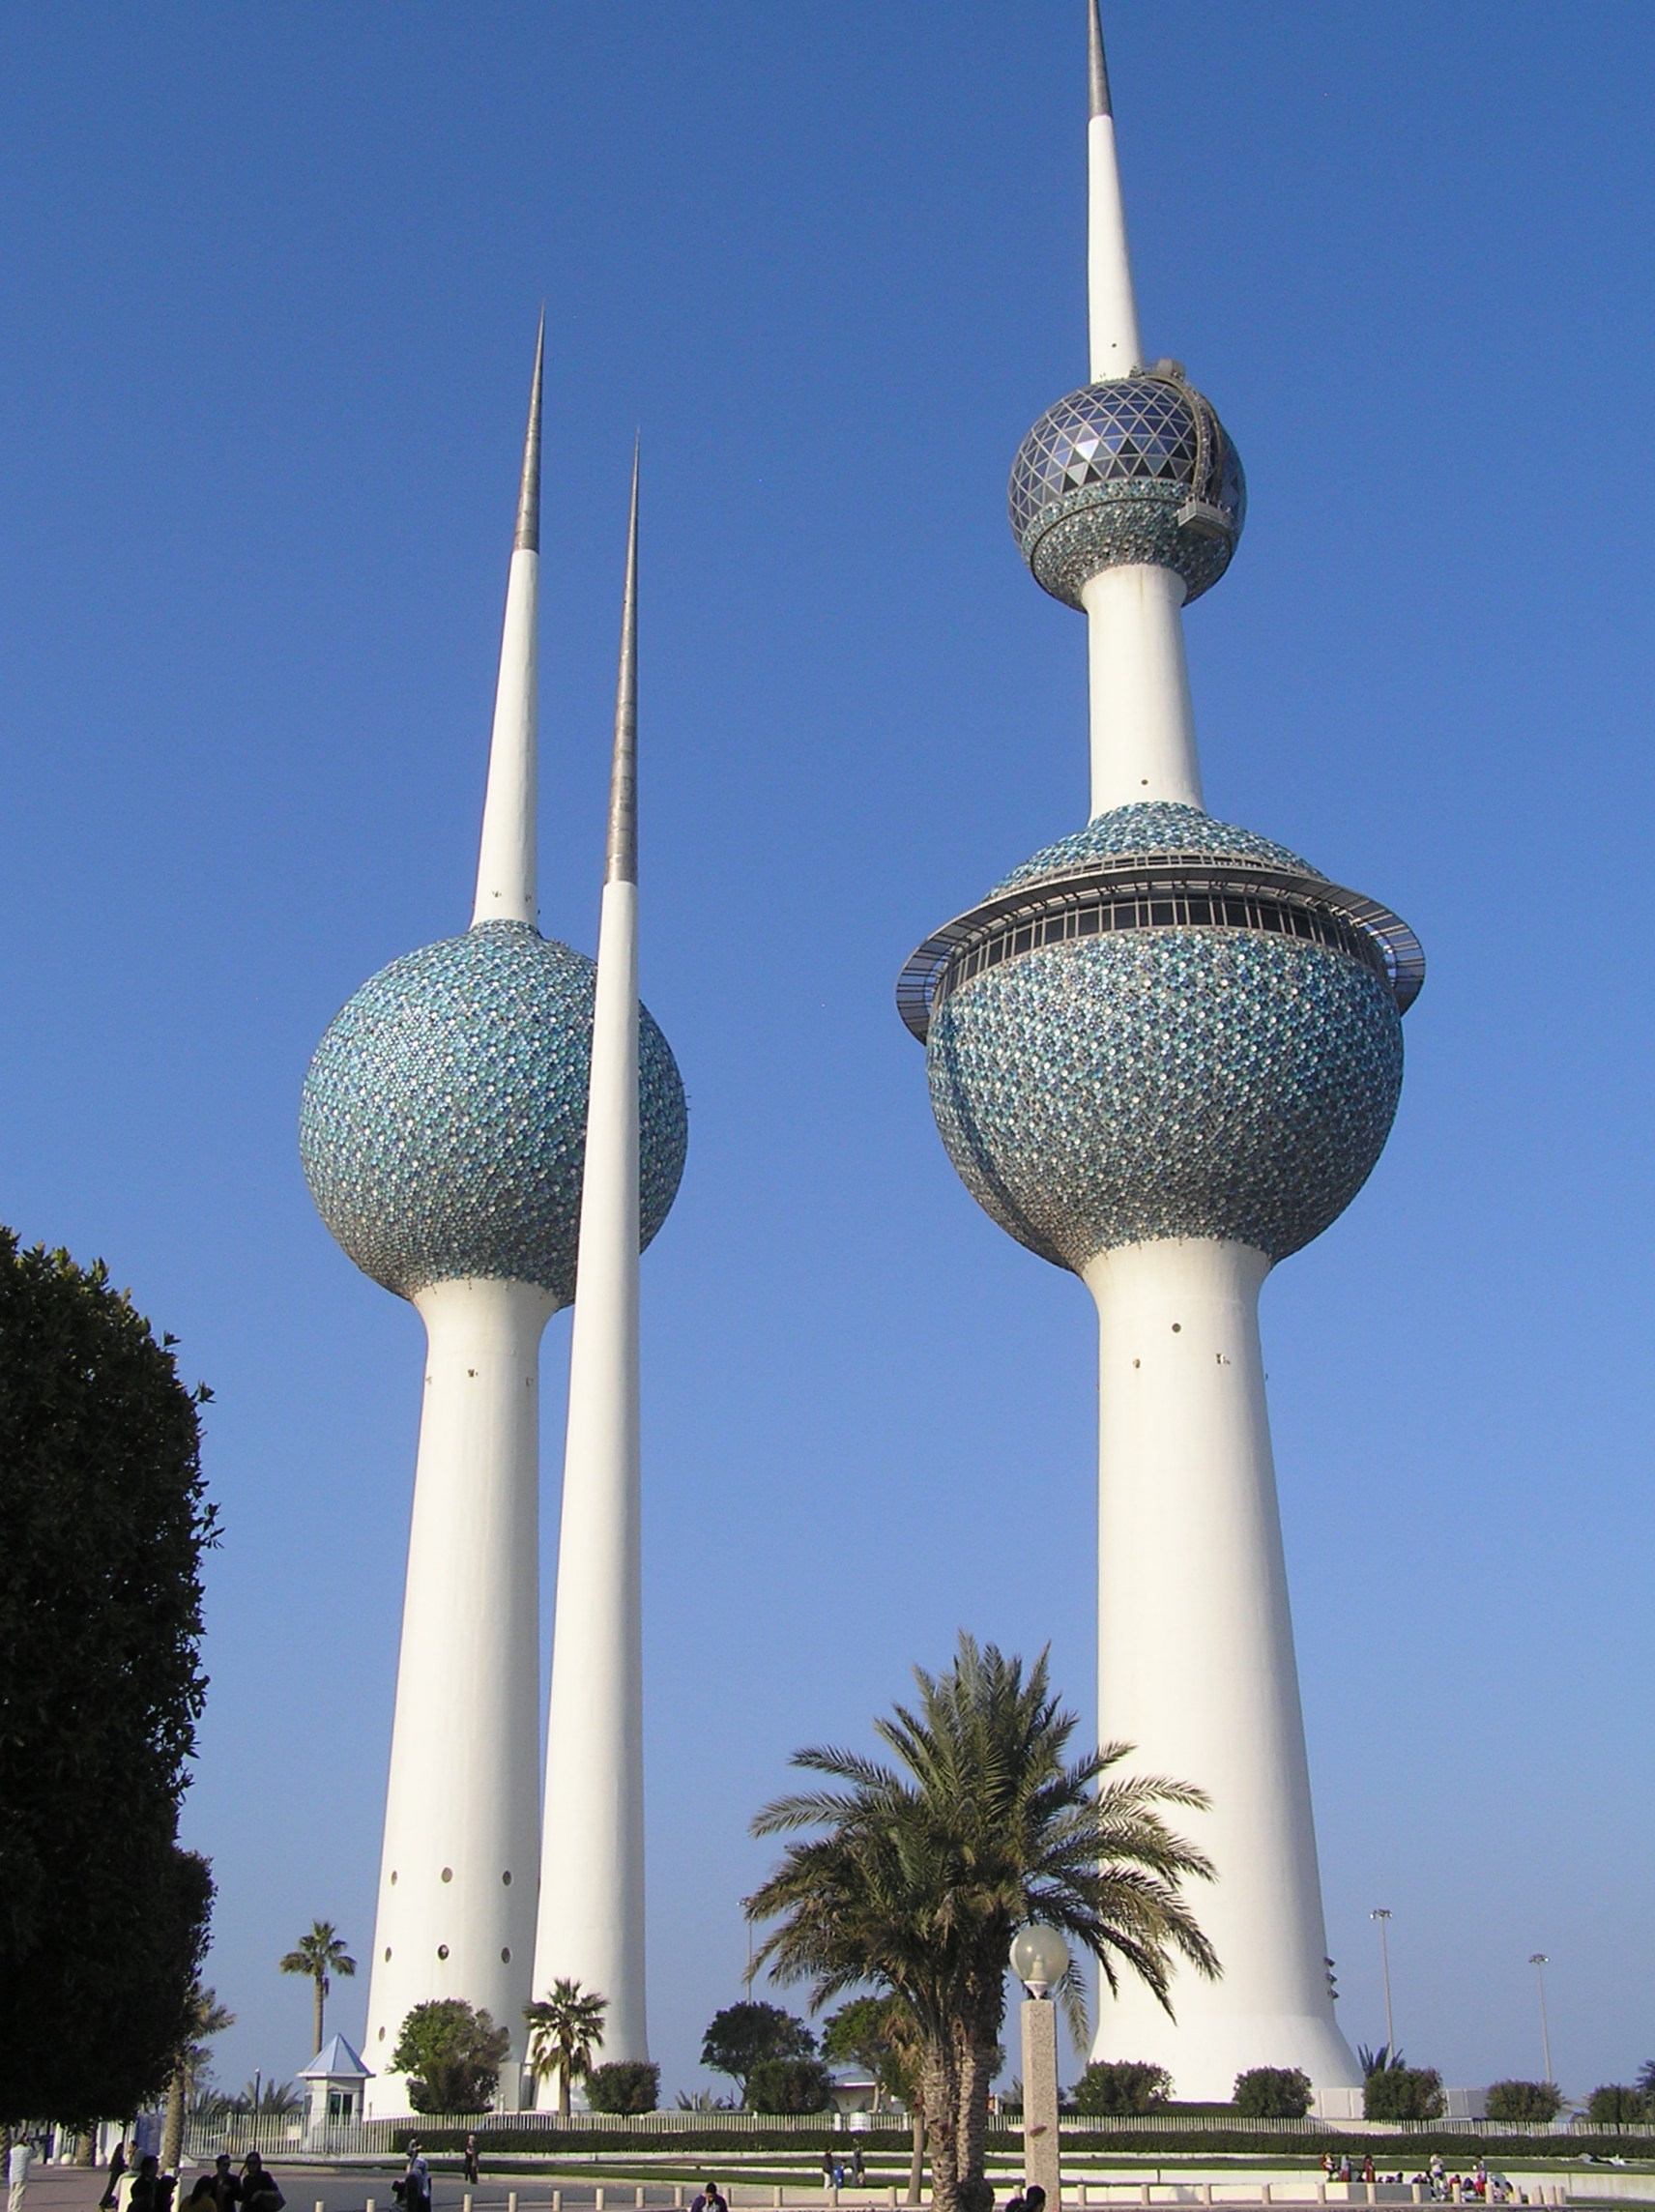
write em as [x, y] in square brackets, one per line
[1539, 1960]
[1040, 1959]
[1382, 1913]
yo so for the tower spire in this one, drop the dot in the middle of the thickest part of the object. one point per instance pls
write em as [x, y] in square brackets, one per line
[592, 1837]
[505, 886]
[621, 855]
[1112, 308]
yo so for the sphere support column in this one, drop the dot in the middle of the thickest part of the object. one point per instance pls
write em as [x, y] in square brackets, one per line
[457, 1876]
[1143, 721]
[1196, 1660]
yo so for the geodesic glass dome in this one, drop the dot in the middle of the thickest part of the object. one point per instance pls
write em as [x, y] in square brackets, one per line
[1138, 469]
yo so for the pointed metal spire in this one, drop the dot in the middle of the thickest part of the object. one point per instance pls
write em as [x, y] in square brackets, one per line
[621, 856]
[505, 866]
[528, 535]
[1097, 65]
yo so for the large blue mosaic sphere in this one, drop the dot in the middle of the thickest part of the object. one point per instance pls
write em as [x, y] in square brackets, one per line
[1162, 1081]
[1134, 470]
[442, 1129]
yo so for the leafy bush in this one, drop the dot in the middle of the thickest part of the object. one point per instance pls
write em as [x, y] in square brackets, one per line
[1525, 2101]
[623, 2085]
[1399, 2092]
[1615, 2104]
[789, 2086]
[1111, 2087]
[1272, 2094]
[452, 2057]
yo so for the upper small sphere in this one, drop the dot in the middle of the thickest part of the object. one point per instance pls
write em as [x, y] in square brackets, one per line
[442, 1130]
[1138, 469]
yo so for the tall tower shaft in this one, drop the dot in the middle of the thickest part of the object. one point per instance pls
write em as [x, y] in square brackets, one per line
[1165, 1052]
[592, 1852]
[444, 1129]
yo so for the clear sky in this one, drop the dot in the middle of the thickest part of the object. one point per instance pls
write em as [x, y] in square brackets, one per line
[268, 287]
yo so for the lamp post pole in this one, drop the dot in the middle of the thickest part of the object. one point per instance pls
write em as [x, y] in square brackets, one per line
[1539, 1960]
[1382, 1913]
[1039, 1959]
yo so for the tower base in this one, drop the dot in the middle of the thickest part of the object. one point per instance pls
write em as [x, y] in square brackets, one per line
[1196, 1666]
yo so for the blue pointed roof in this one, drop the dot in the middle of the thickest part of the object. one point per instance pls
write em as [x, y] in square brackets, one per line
[336, 2061]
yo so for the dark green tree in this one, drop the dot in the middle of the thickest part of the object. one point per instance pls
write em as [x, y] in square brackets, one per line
[1272, 2094]
[451, 2054]
[789, 2086]
[1111, 2088]
[1525, 2101]
[623, 2085]
[1613, 2105]
[103, 1517]
[916, 1880]
[741, 2034]
[1398, 2091]
[1646, 2079]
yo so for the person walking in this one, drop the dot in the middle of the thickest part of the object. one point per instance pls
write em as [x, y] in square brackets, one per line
[416, 2180]
[260, 2191]
[226, 2189]
[17, 2164]
[471, 2164]
[710, 2199]
[117, 2168]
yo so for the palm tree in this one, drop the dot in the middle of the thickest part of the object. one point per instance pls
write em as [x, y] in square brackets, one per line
[563, 2032]
[207, 2018]
[916, 1879]
[321, 1954]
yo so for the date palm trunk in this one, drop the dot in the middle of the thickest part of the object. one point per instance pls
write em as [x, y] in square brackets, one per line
[976, 2065]
[321, 1994]
[917, 2161]
[172, 2130]
[943, 2119]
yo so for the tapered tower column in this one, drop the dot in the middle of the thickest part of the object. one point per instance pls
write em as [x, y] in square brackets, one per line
[1196, 1663]
[1165, 1052]
[456, 1887]
[591, 1866]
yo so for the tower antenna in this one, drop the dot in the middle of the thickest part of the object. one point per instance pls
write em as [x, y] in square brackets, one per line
[1111, 307]
[506, 868]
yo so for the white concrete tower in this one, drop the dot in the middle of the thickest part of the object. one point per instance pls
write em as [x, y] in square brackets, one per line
[592, 1848]
[1165, 1052]
[442, 1129]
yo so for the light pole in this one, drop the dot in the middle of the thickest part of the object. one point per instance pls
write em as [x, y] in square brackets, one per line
[1382, 1913]
[1039, 1959]
[1539, 1960]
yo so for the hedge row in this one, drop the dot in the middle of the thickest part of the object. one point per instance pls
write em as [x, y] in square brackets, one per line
[1410, 2152]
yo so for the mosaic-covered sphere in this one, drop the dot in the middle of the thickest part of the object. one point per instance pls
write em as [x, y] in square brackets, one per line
[1150, 1079]
[443, 1129]
[1138, 469]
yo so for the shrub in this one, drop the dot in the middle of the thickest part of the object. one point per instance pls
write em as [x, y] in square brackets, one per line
[451, 2056]
[1399, 2092]
[1525, 2101]
[789, 2086]
[1612, 2103]
[1272, 2094]
[623, 2085]
[1111, 2087]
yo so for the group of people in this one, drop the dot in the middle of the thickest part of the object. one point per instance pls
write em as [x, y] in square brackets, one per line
[1478, 2187]
[838, 2169]
[142, 2187]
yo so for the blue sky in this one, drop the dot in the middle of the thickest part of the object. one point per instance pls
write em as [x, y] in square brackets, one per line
[267, 286]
